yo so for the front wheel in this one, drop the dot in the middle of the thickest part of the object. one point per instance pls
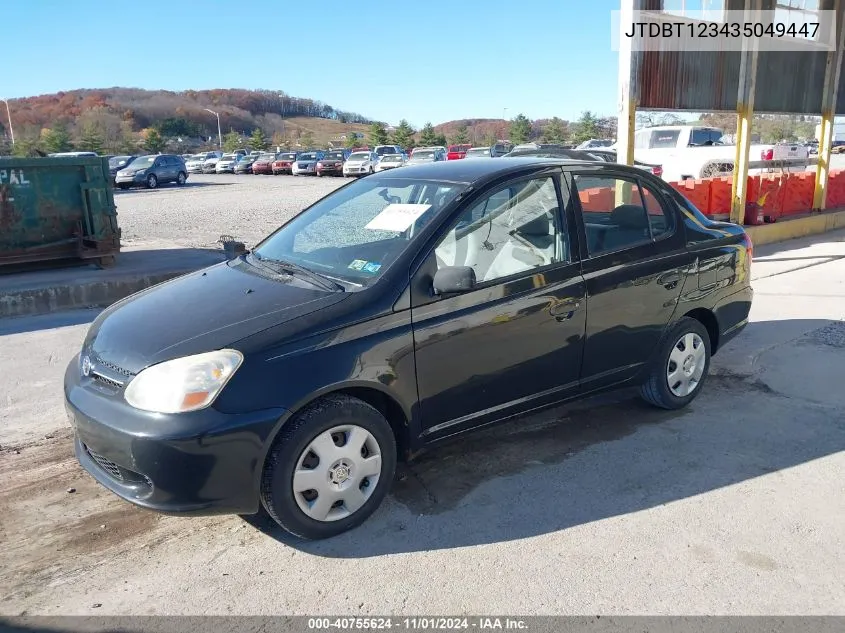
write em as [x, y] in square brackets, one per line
[329, 468]
[152, 181]
[181, 178]
[681, 366]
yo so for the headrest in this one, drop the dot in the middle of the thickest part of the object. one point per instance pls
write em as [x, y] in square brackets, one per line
[538, 227]
[629, 216]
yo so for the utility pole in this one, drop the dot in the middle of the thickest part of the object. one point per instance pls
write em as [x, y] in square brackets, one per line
[219, 133]
[9, 115]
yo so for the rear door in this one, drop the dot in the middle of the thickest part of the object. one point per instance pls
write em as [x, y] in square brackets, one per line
[635, 265]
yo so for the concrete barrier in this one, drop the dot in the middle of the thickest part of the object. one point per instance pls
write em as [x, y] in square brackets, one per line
[139, 266]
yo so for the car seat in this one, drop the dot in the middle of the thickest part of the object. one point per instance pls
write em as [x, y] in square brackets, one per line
[629, 225]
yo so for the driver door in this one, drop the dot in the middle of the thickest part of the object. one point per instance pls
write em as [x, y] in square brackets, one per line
[514, 341]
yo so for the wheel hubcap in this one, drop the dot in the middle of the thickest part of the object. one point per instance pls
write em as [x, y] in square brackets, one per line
[337, 473]
[686, 365]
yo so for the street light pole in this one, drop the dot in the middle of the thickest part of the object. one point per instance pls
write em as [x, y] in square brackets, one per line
[219, 133]
[9, 115]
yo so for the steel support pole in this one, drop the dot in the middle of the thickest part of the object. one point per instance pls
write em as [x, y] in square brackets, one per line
[744, 116]
[627, 105]
[832, 69]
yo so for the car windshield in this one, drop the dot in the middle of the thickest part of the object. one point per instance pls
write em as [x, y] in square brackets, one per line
[359, 156]
[424, 155]
[308, 156]
[357, 232]
[118, 161]
[288, 156]
[265, 157]
[478, 152]
[228, 157]
[335, 155]
[393, 158]
[387, 149]
[144, 161]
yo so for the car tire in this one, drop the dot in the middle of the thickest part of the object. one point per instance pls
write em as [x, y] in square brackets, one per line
[298, 442]
[680, 368]
[123, 186]
[181, 178]
[152, 181]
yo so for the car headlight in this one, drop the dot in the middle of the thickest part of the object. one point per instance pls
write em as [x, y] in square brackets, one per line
[183, 384]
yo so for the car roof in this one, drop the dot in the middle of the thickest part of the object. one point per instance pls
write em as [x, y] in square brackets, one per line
[472, 171]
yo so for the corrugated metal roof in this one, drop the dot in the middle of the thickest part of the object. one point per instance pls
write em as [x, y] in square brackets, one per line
[704, 81]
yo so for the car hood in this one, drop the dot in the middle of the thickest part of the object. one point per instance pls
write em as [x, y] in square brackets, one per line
[199, 312]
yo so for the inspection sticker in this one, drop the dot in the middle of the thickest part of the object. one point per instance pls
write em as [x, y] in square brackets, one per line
[358, 264]
[371, 267]
[397, 217]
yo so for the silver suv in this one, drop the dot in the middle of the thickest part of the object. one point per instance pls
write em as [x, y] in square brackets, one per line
[152, 170]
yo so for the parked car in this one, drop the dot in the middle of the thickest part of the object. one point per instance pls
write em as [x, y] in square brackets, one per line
[244, 165]
[284, 163]
[116, 163]
[427, 155]
[226, 164]
[609, 156]
[306, 163]
[152, 170]
[500, 149]
[195, 163]
[391, 161]
[384, 150]
[264, 164]
[180, 408]
[360, 164]
[457, 152]
[332, 163]
[595, 143]
[479, 152]
[72, 154]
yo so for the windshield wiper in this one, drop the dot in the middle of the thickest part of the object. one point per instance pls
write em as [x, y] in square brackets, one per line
[280, 265]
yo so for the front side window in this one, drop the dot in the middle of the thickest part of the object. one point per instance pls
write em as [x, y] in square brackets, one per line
[357, 232]
[617, 213]
[514, 229]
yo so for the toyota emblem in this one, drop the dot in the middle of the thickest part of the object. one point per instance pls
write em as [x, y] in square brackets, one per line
[86, 366]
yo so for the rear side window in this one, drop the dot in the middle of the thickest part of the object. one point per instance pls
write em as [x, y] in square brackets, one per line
[664, 138]
[618, 214]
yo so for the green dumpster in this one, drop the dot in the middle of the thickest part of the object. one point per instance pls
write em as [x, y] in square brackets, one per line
[57, 208]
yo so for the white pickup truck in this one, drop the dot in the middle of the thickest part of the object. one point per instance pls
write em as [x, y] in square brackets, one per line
[690, 151]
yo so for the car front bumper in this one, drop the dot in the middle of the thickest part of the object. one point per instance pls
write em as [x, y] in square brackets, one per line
[203, 462]
[134, 178]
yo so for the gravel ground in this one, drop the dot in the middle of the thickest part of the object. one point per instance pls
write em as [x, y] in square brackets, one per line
[208, 206]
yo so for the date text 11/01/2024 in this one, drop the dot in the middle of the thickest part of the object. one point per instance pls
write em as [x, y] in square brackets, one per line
[416, 624]
[727, 29]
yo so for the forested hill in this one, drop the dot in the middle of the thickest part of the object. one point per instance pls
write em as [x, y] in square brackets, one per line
[241, 110]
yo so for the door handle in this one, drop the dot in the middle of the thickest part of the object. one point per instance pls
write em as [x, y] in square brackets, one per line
[669, 280]
[565, 309]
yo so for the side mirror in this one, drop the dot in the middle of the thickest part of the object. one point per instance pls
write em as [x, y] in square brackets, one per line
[454, 279]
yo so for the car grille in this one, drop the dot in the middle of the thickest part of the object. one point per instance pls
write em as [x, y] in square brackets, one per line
[112, 366]
[114, 384]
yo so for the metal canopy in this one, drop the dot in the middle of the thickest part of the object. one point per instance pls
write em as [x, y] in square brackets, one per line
[787, 82]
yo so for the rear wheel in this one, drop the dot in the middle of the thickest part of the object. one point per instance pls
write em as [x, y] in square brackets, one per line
[152, 181]
[181, 178]
[330, 468]
[681, 366]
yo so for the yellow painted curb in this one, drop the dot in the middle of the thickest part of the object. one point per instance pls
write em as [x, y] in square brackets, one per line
[796, 227]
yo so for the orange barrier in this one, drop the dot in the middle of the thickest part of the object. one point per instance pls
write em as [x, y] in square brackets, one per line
[836, 189]
[598, 200]
[797, 193]
[697, 192]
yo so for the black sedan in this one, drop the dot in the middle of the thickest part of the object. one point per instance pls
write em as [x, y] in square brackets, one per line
[400, 310]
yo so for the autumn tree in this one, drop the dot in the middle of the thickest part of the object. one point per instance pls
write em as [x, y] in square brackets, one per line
[351, 140]
[56, 139]
[460, 136]
[403, 135]
[427, 135]
[520, 129]
[306, 139]
[377, 134]
[489, 139]
[278, 140]
[258, 140]
[153, 143]
[231, 141]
